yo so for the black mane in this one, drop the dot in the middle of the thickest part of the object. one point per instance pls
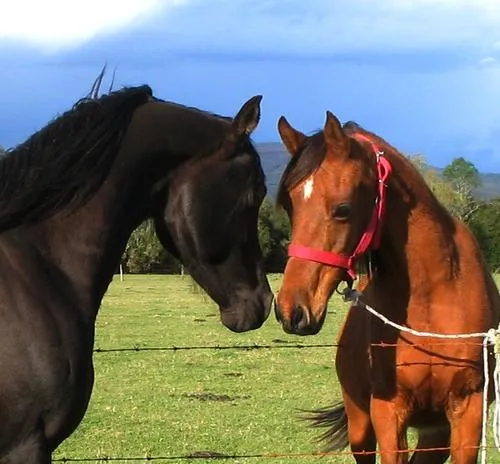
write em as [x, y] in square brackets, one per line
[64, 163]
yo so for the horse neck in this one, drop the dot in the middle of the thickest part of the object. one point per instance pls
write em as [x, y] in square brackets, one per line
[86, 245]
[418, 239]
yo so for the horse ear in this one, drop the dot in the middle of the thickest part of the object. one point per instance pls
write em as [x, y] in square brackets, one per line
[335, 138]
[248, 116]
[292, 138]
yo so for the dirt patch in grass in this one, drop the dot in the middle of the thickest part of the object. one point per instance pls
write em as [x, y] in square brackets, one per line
[207, 454]
[208, 396]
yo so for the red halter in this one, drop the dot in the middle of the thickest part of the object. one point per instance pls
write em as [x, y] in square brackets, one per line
[370, 239]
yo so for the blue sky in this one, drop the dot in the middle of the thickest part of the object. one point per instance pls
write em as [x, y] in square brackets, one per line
[424, 74]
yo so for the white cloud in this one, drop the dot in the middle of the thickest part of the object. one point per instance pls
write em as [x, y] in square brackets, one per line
[488, 61]
[329, 26]
[415, 24]
[56, 24]
[291, 26]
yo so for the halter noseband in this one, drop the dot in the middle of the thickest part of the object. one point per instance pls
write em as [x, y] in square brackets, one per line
[370, 240]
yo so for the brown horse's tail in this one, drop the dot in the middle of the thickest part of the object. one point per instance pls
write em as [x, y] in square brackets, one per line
[333, 417]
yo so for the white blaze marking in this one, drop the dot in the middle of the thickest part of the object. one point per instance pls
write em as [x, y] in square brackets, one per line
[308, 188]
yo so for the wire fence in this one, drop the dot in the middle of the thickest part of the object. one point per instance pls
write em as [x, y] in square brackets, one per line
[215, 456]
[268, 456]
[138, 348]
[215, 347]
[463, 339]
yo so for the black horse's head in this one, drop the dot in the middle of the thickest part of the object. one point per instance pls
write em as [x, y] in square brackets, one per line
[128, 156]
[207, 217]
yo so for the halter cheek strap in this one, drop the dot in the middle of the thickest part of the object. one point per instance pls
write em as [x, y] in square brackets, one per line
[370, 240]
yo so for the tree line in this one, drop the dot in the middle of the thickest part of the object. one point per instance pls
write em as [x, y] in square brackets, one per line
[454, 187]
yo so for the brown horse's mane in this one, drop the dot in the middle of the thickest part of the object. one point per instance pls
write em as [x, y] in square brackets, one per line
[410, 185]
[408, 180]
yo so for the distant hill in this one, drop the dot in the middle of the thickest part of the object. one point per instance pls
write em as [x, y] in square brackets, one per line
[490, 187]
[274, 159]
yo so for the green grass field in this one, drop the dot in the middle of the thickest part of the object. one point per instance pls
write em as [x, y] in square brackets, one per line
[166, 403]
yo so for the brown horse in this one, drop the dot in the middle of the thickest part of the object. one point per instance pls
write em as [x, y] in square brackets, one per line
[353, 198]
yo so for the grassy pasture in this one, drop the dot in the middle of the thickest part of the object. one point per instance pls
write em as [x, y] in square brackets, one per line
[176, 403]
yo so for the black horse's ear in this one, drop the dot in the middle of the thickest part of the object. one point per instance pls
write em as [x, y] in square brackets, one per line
[248, 116]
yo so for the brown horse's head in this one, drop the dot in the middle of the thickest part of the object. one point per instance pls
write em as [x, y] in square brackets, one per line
[329, 190]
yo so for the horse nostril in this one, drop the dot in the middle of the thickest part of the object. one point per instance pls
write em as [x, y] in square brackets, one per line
[299, 317]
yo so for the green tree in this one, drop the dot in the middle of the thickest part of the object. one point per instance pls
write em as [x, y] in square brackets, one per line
[145, 254]
[440, 187]
[274, 235]
[485, 224]
[464, 177]
[143, 249]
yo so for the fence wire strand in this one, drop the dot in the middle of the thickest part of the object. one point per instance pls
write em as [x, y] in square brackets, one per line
[137, 348]
[215, 347]
[208, 455]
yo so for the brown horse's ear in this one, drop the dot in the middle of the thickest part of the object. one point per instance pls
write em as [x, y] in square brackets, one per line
[248, 116]
[335, 138]
[292, 138]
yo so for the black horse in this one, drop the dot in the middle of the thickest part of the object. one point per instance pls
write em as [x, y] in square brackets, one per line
[70, 196]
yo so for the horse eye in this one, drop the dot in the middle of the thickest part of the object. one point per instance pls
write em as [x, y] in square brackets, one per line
[342, 211]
